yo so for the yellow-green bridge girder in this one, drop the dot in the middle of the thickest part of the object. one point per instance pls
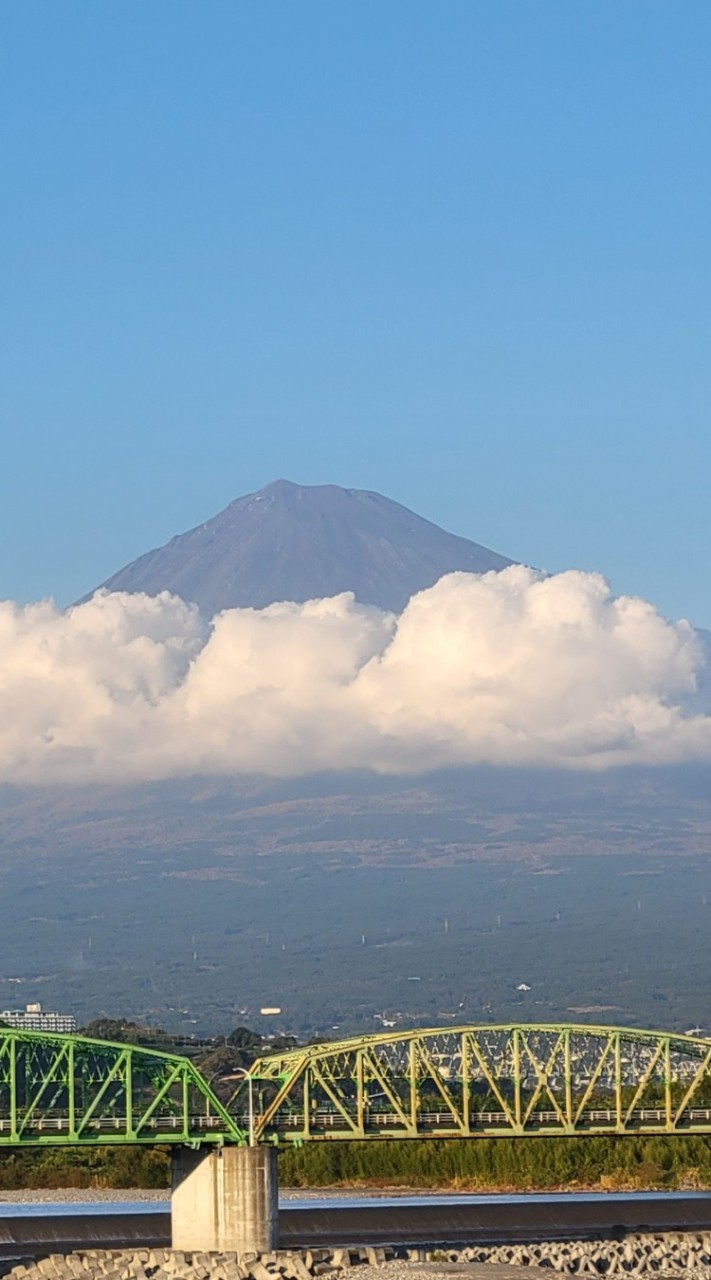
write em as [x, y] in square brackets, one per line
[484, 1081]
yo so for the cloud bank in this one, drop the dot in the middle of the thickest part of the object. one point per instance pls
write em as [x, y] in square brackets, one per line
[509, 668]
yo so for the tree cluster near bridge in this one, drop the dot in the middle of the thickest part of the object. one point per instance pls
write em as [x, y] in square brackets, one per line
[541, 1164]
[528, 1164]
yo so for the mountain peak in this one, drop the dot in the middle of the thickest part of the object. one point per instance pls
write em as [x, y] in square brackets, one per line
[299, 542]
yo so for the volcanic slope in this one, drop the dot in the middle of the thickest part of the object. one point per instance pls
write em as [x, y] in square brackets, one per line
[299, 542]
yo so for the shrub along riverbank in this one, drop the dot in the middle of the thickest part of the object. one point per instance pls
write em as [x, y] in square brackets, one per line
[504, 1163]
[479, 1164]
[88, 1167]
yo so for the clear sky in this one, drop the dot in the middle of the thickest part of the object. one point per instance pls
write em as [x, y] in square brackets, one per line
[455, 251]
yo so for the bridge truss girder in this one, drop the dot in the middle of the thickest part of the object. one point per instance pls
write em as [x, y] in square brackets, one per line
[70, 1090]
[491, 1081]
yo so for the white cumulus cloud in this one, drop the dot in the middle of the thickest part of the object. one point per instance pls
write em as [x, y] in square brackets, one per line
[509, 668]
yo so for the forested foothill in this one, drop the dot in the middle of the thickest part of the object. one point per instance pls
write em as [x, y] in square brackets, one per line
[426, 901]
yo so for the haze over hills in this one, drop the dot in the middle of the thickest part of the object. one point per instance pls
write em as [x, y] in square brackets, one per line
[304, 542]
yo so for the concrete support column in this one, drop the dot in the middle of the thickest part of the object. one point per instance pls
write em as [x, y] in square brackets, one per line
[227, 1199]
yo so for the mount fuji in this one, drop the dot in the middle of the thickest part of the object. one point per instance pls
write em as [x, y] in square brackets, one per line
[302, 542]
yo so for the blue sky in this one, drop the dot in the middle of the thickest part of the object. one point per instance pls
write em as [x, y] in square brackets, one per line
[454, 251]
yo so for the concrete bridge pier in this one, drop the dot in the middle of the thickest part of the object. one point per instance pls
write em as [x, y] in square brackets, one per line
[225, 1199]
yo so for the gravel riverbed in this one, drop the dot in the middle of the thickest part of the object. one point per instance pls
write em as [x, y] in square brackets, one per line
[81, 1195]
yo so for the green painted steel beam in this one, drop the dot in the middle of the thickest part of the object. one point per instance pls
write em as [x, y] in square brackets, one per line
[71, 1090]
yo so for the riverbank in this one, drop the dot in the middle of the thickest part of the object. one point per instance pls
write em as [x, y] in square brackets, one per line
[372, 1190]
[84, 1195]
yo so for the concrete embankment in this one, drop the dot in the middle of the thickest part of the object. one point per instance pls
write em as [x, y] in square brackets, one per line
[396, 1221]
[60, 1233]
[488, 1220]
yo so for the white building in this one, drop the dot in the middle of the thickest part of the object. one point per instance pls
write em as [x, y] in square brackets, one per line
[34, 1018]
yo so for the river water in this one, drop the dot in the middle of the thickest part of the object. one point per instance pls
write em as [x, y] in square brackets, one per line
[38, 1208]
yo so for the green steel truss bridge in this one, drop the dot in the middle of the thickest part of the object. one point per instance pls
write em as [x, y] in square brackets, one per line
[492, 1081]
[57, 1089]
[462, 1082]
